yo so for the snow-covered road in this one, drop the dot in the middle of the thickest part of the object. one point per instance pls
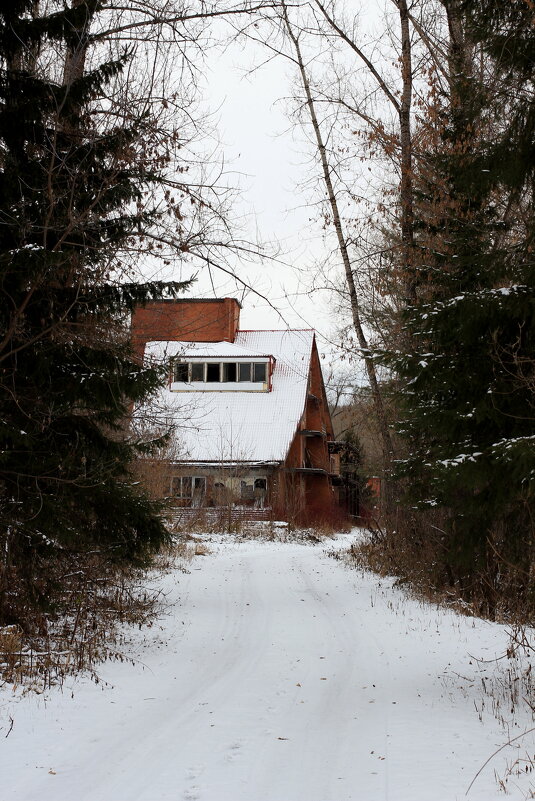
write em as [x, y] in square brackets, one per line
[277, 674]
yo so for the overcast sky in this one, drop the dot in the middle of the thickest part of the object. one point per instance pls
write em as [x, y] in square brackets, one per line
[263, 153]
[268, 158]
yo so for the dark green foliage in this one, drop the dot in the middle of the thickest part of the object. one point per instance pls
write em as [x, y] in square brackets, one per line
[506, 32]
[468, 371]
[71, 198]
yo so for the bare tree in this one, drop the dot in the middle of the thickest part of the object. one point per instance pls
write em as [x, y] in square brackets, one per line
[402, 108]
[326, 168]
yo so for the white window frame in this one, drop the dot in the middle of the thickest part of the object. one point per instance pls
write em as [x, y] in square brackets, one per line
[192, 479]
[236, 385]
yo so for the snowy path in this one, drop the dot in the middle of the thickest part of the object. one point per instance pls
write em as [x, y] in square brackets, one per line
[277, 675]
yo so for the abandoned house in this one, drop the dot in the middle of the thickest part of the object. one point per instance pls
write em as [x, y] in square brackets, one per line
[250, 423]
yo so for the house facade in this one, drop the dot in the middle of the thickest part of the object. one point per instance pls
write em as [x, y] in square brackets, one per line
[250, 423]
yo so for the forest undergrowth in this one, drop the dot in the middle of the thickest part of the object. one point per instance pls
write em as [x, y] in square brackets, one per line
[89, 619]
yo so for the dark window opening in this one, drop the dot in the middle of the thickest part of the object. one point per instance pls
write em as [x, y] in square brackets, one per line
[197, 372]
[229, 371]
[260, 492]
[189, 488]
[246, 491]
[244, 372]
[199, 490]
[181, 371]
[212, 372]
[259, 372]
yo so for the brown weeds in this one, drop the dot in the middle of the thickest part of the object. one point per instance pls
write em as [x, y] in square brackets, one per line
[84, 623]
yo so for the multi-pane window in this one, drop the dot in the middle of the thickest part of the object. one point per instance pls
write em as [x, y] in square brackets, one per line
[188, 487]
[257, 372]
[221, 372]
[181, 486]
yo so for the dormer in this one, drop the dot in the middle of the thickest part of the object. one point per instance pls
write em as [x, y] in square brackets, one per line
[220, 367]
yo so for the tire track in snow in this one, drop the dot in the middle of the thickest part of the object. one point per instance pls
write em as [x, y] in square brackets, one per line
[334, 661]
[285, 677]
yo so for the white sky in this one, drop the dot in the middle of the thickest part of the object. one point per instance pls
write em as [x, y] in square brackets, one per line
[267, 157]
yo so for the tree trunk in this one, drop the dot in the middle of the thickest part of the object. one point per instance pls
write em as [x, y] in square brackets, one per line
[386, 439]
[406, 193]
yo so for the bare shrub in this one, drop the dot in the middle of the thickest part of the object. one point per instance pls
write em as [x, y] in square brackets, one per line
[423, 551]
[83, 627]
[410, 548]
[10, 649]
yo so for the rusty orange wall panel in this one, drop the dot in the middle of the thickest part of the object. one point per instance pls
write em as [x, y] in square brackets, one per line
[319, 499]
[374, 485]
[294, 457]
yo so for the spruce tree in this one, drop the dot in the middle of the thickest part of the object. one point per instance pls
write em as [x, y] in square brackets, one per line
[467, 363]
[71, 198]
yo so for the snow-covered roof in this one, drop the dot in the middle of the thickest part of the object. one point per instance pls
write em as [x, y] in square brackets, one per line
[198, 350]
[238, 426]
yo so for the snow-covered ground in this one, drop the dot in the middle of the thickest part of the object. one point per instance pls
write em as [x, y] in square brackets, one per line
[278, 674]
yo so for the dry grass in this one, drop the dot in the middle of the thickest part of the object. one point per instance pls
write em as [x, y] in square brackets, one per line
[84, 633]
[416, 551]
[89, 620]
[279, 531]
[412, 565]
[11, 640]
[270, 530]
[177, 554]
[204, 521]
